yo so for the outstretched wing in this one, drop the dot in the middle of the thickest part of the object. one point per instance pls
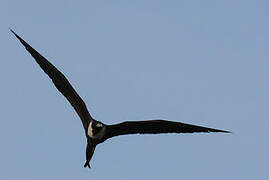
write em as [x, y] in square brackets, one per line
[155, 127]
[60, 82]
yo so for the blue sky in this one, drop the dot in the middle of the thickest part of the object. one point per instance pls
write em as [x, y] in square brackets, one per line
[199, 62]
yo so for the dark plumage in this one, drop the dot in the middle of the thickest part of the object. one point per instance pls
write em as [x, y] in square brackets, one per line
[97, 132]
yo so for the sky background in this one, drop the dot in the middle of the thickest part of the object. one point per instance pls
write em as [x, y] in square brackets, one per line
[203, 62]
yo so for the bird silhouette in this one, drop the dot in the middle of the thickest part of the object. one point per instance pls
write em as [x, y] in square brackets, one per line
[96, 131]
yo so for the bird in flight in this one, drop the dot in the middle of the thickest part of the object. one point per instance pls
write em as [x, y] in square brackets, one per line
[96, 131]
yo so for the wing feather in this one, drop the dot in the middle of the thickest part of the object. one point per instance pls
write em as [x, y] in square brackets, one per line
[60, 82]
[155, 127]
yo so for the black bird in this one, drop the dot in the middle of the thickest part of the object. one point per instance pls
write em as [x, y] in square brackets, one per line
[96, 131]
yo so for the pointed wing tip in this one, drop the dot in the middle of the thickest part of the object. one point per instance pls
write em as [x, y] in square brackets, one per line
[14, 33]
[220, 131]
[10, 29]
[25, 44]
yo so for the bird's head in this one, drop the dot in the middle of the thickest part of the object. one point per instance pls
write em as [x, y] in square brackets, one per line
[96, 129]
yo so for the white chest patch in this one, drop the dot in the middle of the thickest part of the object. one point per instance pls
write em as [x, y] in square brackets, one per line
[99, 135]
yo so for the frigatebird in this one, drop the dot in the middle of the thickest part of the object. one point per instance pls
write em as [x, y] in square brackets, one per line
[96, 131]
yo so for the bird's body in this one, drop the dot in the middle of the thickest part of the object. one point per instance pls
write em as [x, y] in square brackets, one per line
[96, 131]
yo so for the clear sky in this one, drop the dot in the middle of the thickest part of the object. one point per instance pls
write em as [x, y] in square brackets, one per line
[202, 62]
